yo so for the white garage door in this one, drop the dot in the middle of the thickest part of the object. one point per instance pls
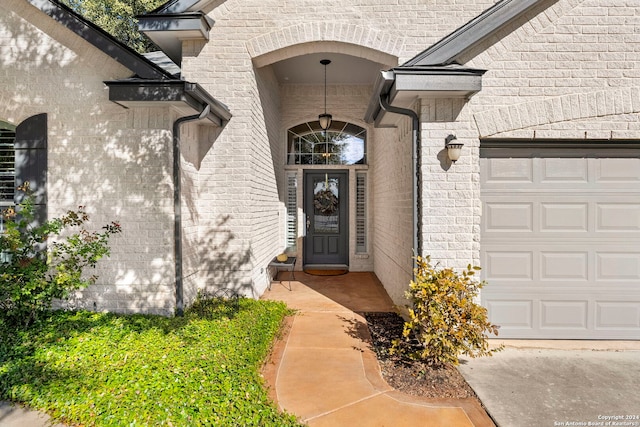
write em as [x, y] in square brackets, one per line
[561, 241]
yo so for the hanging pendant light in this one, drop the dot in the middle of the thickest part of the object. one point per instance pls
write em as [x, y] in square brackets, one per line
[325, 119]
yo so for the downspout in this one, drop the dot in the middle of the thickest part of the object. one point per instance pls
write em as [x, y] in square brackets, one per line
[415, 164]
[177, 205]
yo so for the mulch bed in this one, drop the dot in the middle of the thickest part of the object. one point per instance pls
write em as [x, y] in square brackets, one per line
[411, 377]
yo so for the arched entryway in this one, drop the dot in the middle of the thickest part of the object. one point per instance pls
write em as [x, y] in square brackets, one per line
[323, 175]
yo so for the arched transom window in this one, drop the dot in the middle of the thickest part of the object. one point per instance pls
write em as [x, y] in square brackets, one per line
[342, 144]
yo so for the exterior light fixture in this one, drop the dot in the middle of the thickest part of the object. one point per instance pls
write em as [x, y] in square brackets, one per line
[454, 148]
[325, 119]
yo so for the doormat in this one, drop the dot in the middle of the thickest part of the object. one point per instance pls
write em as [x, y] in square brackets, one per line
[319, 272]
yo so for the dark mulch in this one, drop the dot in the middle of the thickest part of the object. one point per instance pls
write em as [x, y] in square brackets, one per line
[411, 377]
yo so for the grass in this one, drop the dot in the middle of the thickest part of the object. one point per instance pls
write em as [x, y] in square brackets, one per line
[102, 369]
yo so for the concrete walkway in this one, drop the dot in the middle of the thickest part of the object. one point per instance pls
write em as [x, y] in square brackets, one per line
[324, 372]
[18, 416]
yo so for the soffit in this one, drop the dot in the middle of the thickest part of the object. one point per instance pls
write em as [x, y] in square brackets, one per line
[403, 85]
[343, 70]
[169, 30]
[187, 98]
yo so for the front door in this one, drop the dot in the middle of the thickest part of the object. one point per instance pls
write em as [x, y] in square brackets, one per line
[326, 205]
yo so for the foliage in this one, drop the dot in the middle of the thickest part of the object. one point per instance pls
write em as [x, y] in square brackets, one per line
[444, 321]
[37, 265]
[100, 369]
[118, 18]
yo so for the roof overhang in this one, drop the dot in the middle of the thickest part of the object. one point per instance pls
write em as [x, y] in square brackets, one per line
[179, 6]
[403, 85]
[453, 46]
[99, 38]
[168, 30]
[435, 72]
[187, 98]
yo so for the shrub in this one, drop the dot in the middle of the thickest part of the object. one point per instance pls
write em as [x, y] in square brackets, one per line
[38, 265]
[444, 321]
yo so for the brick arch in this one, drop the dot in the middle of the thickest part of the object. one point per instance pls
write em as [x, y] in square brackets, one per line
[336, 37]
[559, 109]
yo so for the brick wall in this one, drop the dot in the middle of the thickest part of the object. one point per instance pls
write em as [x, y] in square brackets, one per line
[451, 208]
[568, 72]
[242, 175]
[114, 161]
[391, 187]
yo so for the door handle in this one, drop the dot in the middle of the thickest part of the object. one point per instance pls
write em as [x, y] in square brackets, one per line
[308, 223]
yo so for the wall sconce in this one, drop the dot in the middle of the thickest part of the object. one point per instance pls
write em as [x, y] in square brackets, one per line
[454, 148]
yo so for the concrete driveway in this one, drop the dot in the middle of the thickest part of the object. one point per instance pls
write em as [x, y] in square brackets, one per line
[570, 384]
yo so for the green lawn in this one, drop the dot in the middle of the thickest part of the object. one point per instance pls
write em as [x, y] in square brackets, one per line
[101, 369]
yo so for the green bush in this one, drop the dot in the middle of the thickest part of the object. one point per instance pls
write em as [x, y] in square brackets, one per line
[101, 369]
[38, 264]
[444, 320]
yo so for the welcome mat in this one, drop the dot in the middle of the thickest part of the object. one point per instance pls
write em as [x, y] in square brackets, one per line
[323, 272]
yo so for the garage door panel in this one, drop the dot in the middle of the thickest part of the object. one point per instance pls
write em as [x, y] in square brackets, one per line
[511, 217]
[618, 266]
[602, 174]
[562, 214]
[617, 315]
[560, 246]
[564, 314]
[564, 170]
[509, 265]
[617, 171]
[563, 266]
[528, 316]
[622, 217]
[558, 217]
[509, 170]
[510, 314]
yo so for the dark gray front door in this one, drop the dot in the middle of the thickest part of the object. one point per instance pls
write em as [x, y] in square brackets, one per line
[326, 204]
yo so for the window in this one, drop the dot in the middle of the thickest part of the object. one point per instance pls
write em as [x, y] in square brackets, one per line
[292, 213]
[342, 144]
[7, 169]
[361, 212]
[7, 164]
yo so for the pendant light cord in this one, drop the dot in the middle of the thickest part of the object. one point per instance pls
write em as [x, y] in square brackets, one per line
[325, 88]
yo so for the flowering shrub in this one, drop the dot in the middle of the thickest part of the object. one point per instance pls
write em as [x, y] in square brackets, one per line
[444, 321]
[38, 265]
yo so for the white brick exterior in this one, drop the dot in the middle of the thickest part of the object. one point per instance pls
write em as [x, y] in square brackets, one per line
[116, 162]
[235, 66]
[568, 69]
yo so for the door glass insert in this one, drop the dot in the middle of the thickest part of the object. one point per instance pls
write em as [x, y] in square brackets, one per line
[326, 206]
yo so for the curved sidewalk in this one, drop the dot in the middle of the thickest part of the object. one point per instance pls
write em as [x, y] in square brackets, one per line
[323, 370]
